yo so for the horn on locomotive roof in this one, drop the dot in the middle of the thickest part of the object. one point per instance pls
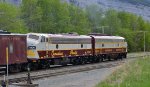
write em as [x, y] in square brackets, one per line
[71, 33]
[99, 34]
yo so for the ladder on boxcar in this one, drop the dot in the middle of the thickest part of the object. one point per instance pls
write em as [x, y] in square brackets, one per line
[3, 70]
[3, 73]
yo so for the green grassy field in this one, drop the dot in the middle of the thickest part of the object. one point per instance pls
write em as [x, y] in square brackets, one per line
[132, 74]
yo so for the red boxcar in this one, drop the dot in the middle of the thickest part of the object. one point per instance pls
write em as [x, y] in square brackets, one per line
[17, 51]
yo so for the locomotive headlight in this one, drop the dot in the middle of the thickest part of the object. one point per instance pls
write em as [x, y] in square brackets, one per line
[32, 47]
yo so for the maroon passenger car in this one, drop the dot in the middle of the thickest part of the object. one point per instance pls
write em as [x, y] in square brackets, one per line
[17, 52]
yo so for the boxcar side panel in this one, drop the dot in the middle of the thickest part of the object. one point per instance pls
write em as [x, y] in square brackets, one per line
[16, 49]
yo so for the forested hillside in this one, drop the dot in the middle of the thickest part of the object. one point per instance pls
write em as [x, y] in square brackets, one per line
[10, 19]
[55, 16]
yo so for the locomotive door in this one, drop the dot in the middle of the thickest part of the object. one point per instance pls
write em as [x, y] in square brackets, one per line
[47, 47]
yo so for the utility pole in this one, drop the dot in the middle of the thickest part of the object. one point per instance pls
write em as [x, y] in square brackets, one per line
[103, 28]
[144, 43]
[144, 40]
[7, 60]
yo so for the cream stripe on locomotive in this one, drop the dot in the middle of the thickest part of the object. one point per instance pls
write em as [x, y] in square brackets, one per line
[63, 46]
[110, 45]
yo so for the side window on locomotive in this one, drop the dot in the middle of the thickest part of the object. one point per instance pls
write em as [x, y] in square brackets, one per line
[47, 40]
[57, 46]
[103, 45]
[81, 45]
[118, 44]
[42, 39]
[35, 37]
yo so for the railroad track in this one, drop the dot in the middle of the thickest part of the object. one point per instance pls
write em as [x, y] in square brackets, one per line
[35, 75]
[72, 69]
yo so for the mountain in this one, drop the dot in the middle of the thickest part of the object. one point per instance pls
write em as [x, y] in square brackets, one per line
[138, 2]
[138, 7]
[15, 2]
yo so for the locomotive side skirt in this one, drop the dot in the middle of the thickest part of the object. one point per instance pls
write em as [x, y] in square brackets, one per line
[78, 52]
[93, 44]
[110, 50]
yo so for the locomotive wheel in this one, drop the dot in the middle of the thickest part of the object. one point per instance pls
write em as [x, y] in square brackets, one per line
[86, 60]
[35, 66]
[75, 61]
[109, 58]
[116, 58]
[79, 61]
[102, 59]
[121, 58]
[15, 68]
[97, 59]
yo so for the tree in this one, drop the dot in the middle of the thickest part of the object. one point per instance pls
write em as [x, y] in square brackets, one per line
[79, 20]
[32, 15]
[10, 19]
[95, 16]
[112, 20]
[54, 16]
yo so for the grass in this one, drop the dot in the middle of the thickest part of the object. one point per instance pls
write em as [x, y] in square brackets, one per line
[132, 74]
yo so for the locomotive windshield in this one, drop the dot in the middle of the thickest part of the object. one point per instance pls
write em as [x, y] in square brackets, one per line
[35, 37]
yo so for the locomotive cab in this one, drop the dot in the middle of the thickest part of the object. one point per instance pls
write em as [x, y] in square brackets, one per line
[36, 44]
[32, 42]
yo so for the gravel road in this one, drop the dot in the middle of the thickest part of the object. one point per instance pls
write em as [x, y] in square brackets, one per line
[81, 79]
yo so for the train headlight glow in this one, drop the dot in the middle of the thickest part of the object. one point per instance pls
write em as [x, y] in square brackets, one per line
[31, 47]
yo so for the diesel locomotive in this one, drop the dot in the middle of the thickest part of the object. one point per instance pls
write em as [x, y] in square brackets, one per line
[41, 50]
[44, 50]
